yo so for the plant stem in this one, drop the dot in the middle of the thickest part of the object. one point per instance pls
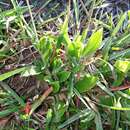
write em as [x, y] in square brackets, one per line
[40, 100]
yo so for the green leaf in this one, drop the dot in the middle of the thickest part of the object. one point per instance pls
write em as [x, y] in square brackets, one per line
[45, 48]
[121, 54]
[118, 26]
[98, 122]
[72, 50]
[48, 118]
[76, 47]
[84, 113]
[87, 83]
[129, 14]
[13, 12]
[56, 65]
[56, 86]
[63, 75]
[105, 89]
[120, 76]
[106, 100]
[93, 43]
[84, 34]
[60, 40]
[8, 111]
[64, 28]
[11, 73]
[59, 112]
[12, 92]
[115, 108]
[122, 66]
[64, 37]
[76, 9]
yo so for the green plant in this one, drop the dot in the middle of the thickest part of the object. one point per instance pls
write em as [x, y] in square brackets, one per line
[85, 75]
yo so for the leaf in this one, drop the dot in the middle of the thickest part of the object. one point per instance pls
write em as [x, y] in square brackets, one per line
[76, 9]
[8, 111]
[64, 32]
[45, 48]
[12, 12]
[56, 65]
[114, 107]
[48, 118]
[56, 86]
[31, 70]
[72, 50]
[63, 75]
[120, 76]
[12, 92]
[60, 40]
[122, 66]
[121, 54]
[129, 14]
[84, 34]
[76, 47]
[118, 26]
[123, 40]
[66, 38]
[106, 100]
[93, 43]
[11, 73]
[105, 89]
[81, 114]
[98, 122]
[86, 84]
[59, 112]
[64, 28]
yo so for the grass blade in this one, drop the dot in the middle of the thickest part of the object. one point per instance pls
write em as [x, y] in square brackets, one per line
[11, 73]
[118, 26]
[77, 116]
[98, 122]
[8, 111]
[12, 92]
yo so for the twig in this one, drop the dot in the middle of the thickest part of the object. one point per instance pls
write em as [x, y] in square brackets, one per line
[40, 100]
[123, 87]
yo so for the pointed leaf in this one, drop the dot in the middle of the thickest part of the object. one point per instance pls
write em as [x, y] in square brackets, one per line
[56, 86]
[63, 76]
[11, 73]
[87, 83]
[118, 26]
[93, 43]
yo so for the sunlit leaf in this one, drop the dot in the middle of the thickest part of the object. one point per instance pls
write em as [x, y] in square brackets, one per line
[122, 66]
[31, 70]
[118, 26]
[11, 73]
[93, 43]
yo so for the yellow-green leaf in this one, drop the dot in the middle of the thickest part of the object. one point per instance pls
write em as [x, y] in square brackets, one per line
[93, 43]
[122, 66]
[11, 73]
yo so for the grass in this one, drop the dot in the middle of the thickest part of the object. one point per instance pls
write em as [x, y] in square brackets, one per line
[66, 72]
